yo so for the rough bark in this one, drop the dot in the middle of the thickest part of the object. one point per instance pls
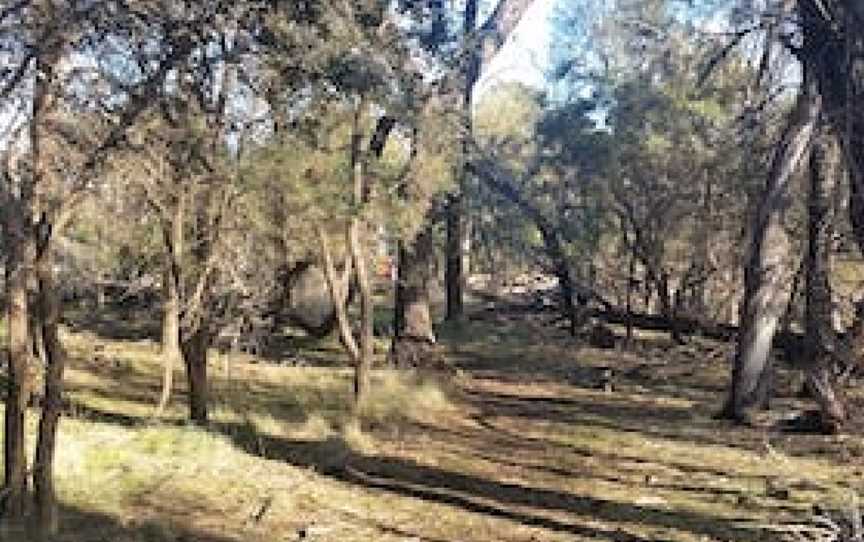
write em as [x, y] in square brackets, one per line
[414, 344]
[18, 272]
[822, 340]
[195, 358]
[767, 274]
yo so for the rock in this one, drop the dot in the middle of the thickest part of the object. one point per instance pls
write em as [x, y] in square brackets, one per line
[309, 298]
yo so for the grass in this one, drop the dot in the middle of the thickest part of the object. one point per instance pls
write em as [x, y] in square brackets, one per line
[522, 447]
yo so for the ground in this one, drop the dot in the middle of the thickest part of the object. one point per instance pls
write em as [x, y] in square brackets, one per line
[527, 443]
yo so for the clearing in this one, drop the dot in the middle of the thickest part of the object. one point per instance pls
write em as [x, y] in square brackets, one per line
[524, 445]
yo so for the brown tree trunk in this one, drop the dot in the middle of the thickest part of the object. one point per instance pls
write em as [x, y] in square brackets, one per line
[52, 404]
[195, 358]
[414, 338]
[18, 272]
[454, 277]
[821, 337]
[767, 275]
[357, 237]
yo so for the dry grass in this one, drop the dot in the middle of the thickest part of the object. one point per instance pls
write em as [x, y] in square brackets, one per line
[524, 447]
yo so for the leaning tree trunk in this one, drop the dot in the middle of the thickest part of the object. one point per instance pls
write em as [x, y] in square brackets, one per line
[822, 341]
[767, 274]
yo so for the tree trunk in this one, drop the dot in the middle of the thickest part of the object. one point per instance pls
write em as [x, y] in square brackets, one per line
[18, 272]
[195, 358]
[822, 341]
[338, 293]
[456, 208]
[52, 404]
[357, 237]
[454, 277]
[367, 313]
[767, 275]
[414, 338]
[171, 348]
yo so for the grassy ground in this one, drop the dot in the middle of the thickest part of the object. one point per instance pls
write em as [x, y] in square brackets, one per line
[523, 446]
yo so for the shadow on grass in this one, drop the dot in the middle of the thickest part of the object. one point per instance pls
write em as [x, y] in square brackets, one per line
[78, 525]
[519, 503]
[137, 324]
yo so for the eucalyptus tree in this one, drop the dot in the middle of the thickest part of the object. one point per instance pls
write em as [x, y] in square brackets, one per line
[815, 35]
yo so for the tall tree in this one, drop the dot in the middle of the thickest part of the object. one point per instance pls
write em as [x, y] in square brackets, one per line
[823, 345]
[479, 48]
[767, 273]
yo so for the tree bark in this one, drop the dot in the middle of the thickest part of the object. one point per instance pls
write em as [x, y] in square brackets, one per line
[357, 236]
[18, 272]
[767, 275]
[172, 230]
[52, 404]
[195, 358]
[414, 344]
[822, 340]
[363, 363]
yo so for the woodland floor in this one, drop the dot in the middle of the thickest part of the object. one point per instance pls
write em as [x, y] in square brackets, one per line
[523, 446]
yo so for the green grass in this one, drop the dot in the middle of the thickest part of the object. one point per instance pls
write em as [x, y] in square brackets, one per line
[523, 447]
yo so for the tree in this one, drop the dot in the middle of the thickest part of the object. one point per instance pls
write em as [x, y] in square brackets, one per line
[823, 345]
[76, 117]
[479, 48]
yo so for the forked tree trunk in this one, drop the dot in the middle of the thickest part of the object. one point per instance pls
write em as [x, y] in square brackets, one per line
[339, 293]
[768, 275]
[822, 339]
[171, 305]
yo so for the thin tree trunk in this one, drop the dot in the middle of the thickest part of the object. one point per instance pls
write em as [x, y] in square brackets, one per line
[357, 237]
[338, 293]
[171, 347]
[456, 209]
[767, 275]
[821, 337]
[631, 278]
[367, 308]
[52, 404]
[18, 272]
